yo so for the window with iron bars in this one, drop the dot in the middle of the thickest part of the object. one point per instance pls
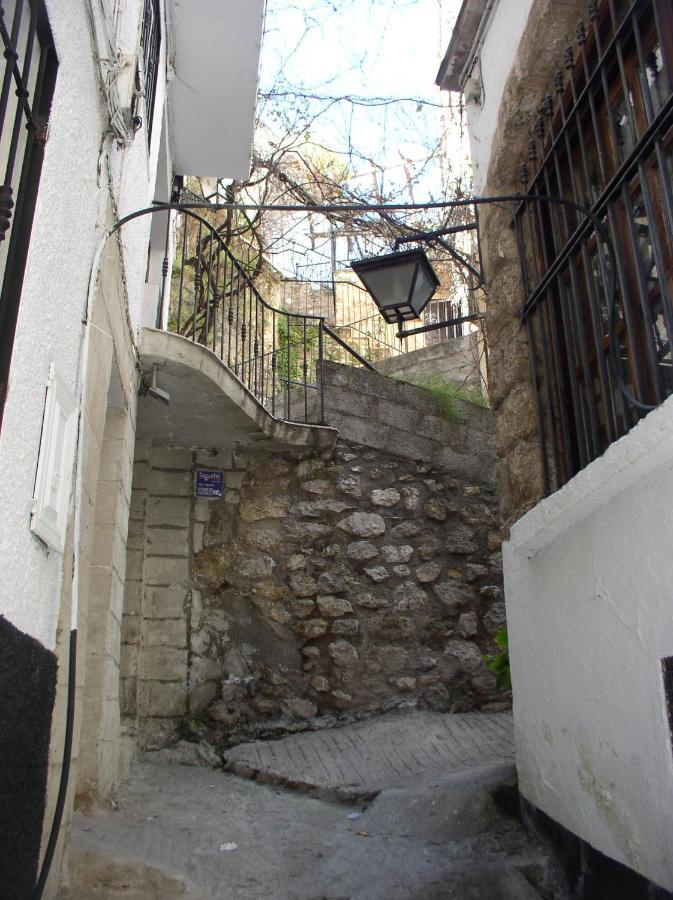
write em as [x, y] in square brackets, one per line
[442, 311]
[605, 142]
[148, 61]
[26, 90]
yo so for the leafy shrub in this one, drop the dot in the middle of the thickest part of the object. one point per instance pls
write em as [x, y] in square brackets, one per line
[499, 662]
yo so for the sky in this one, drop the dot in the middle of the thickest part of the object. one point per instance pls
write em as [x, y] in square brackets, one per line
[374, 46]
[367, 49]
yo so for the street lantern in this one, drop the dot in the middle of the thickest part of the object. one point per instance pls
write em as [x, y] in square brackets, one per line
[401, 284]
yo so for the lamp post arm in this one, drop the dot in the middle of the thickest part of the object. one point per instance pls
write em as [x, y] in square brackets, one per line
[435, 326]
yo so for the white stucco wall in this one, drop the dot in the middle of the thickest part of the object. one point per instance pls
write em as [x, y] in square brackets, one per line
[494, 61]
[70, 212]
[588, 577]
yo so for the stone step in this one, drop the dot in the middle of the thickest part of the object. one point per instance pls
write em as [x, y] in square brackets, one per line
[359, 760]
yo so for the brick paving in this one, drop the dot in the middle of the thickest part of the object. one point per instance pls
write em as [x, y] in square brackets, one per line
[370, 756]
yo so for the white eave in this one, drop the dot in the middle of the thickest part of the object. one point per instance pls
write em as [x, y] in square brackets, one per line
[214, 48]
[470, 22]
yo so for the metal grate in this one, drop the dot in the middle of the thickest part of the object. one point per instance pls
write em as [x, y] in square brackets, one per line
[210, 298]
[150, 45]
[26, 89]
[667, 671]
[604, 141]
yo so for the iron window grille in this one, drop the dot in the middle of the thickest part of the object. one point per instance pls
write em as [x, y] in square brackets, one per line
[442, 311]
[605, 141]
[148, 61]
[26, 92]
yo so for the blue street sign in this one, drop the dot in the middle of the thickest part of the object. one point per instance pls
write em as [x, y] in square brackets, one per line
[209, 483]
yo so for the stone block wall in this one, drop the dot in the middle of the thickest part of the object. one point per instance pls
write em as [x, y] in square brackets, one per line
[458, 359]
[315, 590]
[157, 602]
[401, 418]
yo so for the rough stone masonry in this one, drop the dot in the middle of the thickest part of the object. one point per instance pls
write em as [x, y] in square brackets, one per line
[338, 587]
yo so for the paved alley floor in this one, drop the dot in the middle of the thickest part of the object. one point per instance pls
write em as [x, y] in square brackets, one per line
[433, 829]
[388, 751]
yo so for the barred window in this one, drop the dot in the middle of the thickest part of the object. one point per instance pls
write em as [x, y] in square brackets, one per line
[605, 142]
[148, 62]
[442, 311]
[26, 90]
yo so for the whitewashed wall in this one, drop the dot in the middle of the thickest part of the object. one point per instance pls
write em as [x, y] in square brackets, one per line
[589, 593]
[69, 217]
[494, 61]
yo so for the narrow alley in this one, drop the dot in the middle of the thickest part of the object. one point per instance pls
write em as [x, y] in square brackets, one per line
[414, 806]
[336, 429]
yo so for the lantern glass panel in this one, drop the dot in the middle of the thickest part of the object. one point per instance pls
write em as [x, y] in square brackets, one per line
[390, 286]
[423, 291]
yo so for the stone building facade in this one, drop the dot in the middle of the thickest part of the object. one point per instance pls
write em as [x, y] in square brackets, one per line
[322, 586]
[590, 642]
[516, 76]
[93, 128]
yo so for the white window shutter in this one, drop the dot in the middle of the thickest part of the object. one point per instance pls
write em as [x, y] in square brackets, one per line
[49, 519]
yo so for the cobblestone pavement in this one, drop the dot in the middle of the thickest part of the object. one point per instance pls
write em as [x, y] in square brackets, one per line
[369, 756]
[186, 832]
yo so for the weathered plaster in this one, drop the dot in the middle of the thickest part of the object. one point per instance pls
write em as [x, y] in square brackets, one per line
[594, 750]
[492, 66]
[72, 206]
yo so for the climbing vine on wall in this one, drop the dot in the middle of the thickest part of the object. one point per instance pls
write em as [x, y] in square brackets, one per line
[291, 340]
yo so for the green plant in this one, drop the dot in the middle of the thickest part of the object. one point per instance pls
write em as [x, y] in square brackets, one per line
[444, 392]
[290, 350]
[499, 662]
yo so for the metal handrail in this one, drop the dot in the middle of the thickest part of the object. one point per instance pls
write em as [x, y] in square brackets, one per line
[212, 300]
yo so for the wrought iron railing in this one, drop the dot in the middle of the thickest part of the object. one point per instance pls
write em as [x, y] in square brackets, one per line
[349, 309]
[150, 45]
[26, 88]
[209, 297]
[605, 143]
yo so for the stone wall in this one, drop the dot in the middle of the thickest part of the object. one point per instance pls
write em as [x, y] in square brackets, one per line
[458, 359]
[158, 598]
[401, 418]
[551, 27]
[322, 585]
[344, 586]
[316, 589]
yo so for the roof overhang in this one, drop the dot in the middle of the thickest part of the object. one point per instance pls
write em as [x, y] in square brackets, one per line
[215, 51]
[460, 46]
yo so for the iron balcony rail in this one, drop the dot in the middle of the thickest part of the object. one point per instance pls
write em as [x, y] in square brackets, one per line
[209, 297]
[605, 143]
